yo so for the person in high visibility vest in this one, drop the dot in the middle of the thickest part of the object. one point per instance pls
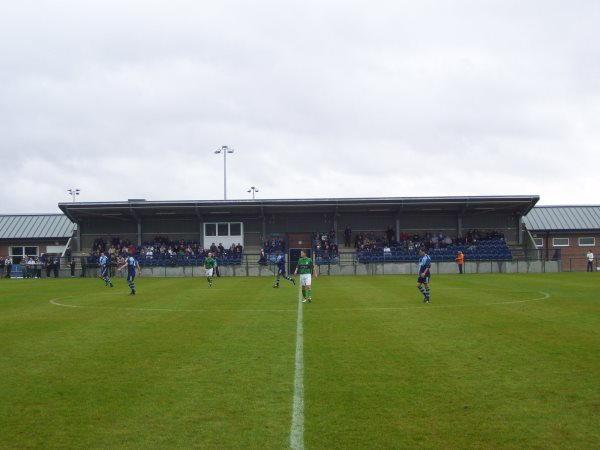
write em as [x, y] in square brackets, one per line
[460, 260]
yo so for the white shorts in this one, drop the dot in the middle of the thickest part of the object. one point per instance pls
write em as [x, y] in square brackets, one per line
[305, 279]
[209, 272]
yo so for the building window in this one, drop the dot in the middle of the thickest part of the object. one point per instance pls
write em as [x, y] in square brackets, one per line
[18, 253]
[235, 229]
[587, 241]
[560, 242]
[223, 229]
[539, 242]
[210, 229]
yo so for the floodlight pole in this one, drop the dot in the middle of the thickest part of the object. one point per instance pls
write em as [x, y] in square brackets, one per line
[73, 193]
[253, 190]
[224, 149]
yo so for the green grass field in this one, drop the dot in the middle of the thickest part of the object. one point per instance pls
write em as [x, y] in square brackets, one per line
[495, 361]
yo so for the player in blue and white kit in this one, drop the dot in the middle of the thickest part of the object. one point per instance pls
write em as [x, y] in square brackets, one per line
[424, 273]
[131, 264]
[104, 262]
[280, 261]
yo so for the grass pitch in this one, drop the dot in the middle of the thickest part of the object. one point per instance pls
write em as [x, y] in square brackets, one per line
[495, 361]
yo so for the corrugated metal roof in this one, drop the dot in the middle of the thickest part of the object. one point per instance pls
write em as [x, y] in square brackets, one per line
[35, 226]
[563, 218]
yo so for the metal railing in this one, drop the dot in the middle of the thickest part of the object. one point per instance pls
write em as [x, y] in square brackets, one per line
[343, 264]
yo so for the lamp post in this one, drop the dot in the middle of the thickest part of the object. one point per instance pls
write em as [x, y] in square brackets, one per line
[253, 190]
[224, 149]
[74, 192]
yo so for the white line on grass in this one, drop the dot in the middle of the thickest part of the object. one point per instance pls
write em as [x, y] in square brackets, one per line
[55, 302]
[421, 306]
[297, 429]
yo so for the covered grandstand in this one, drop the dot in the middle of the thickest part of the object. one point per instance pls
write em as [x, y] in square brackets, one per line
[295, 222]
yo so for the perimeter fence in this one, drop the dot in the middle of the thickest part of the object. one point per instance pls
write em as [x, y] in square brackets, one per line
[250, 264]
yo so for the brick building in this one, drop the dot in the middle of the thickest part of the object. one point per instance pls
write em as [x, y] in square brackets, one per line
[34, 234]
[565, 233]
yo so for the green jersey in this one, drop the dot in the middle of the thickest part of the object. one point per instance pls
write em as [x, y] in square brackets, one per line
[305, 265]
[209, 262]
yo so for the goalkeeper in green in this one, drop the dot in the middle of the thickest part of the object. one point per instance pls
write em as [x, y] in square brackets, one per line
[306, 269]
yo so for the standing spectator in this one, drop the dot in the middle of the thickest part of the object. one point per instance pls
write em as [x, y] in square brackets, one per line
[31, 267]
[72, 266]
[25, 267]
[38, 267]
[48, 265]
[347, 236]
[1, 266]
[590, 261]
[262, 260]
[55, 266]
[8, 262]
[83, 262]
[460, 260]
[389, 234]
[217, 273]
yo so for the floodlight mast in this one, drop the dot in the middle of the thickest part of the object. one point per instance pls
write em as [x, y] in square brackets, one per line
[253, 190]
[74, 192]
[224, 149]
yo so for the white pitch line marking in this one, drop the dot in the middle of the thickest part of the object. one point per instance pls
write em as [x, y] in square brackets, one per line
[393, 308]
[430, 306]
[297, 428]
[55, 302]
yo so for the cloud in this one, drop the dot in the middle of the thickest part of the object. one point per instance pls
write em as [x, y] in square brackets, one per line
[127, 100]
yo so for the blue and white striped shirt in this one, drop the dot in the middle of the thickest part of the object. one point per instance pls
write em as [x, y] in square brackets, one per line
[424, 263]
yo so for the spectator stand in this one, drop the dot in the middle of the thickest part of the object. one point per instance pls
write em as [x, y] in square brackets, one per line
[161, 252]
[440, 248]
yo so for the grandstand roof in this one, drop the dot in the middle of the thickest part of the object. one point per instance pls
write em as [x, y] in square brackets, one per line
[206, 209]
[35, 226]
[563, 218]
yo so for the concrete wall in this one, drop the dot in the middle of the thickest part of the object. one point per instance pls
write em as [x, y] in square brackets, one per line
[479, 267]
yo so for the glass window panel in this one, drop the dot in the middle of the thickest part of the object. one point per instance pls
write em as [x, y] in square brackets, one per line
[223, 229]
[210, 229]
[235, 229]
[560, 242]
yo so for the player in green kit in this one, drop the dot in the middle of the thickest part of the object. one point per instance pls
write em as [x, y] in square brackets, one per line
[305, 268]
[209, 265]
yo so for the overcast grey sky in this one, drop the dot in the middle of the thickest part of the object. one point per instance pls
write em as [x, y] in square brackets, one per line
[129, 99]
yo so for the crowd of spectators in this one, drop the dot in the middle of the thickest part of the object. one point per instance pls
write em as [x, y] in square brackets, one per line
[325, 246]
[273, 245]
[161, 248]
[369, 241]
